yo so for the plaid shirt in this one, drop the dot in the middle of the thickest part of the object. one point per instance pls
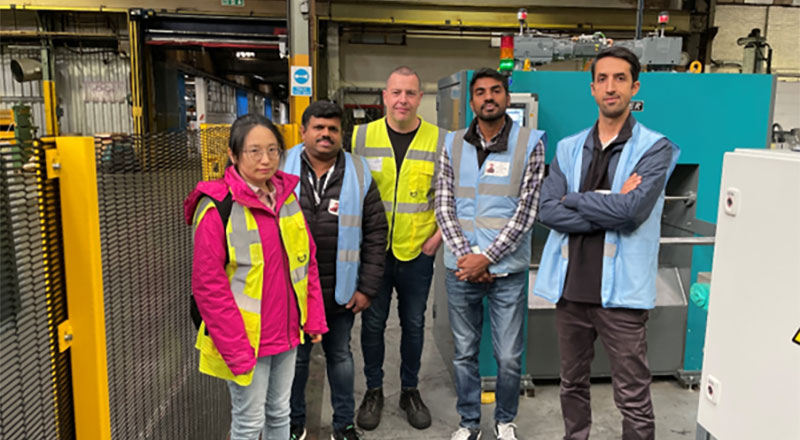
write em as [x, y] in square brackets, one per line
[510, 236]
[265, 197]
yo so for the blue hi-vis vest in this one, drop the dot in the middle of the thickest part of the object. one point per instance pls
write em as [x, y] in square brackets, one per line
[630, 260]
[487, 198]
[351, 208]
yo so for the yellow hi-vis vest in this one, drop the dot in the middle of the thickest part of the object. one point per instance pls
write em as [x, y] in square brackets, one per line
[409, 208]
[245, 270]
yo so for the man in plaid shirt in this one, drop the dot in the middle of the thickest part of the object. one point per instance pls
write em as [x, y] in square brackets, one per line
[486, 199]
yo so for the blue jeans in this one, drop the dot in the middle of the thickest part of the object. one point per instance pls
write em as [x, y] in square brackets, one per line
[412, 279]
[339, 363]
[264, 404]
[507, 308]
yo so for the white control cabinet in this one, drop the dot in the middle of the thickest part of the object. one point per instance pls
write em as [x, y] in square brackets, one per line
[750, 387]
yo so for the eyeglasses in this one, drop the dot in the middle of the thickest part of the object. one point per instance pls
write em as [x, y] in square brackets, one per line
[255, 154]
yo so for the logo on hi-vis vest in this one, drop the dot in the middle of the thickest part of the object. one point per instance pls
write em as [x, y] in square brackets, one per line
[496, 169]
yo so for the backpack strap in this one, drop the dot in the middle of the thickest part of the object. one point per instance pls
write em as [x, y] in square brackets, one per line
[224, 207]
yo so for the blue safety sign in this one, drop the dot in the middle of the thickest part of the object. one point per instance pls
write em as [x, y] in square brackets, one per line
[301, 81]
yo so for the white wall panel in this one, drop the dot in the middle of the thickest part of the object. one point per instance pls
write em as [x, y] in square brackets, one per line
[781, 22]
[783, 34]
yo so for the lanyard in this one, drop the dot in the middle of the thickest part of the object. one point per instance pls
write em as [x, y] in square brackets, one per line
[318, 194]
[313, 181]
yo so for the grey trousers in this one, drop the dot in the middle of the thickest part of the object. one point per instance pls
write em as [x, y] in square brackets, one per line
[623, 334]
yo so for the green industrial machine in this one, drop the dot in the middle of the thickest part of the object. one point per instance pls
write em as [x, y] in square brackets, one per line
[706, 115]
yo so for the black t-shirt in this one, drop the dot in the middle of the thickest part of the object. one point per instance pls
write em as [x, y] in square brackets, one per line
[400, 143]
[585, 269]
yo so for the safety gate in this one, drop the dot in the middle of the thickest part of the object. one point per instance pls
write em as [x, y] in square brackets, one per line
[100, 311]
[35, 375]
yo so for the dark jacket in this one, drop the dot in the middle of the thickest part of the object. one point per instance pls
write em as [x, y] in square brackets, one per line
[587, 215]
[324, 228]
[582, 212]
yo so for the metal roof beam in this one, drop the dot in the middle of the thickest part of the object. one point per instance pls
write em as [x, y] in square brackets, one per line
[551, 18]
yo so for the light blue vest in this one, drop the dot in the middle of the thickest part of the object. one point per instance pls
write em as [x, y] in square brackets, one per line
[630, 260]
[351, 208]
[487, 198]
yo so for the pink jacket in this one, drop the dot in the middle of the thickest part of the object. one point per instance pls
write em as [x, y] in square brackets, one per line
[279, 312]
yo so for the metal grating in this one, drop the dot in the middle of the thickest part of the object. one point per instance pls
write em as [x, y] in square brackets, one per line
[34, 376]
[155, 390]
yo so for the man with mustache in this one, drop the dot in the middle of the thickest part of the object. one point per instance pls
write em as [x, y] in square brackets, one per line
[401, 152]
[344, 212]
[486, 199]
[603, 200]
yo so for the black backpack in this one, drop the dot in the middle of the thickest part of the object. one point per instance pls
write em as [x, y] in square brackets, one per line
[224, 209]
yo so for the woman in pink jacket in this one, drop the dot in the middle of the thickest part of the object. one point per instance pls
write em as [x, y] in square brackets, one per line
[255, 279]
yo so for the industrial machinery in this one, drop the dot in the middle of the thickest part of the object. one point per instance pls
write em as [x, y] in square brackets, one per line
[532, 48]
[751, 386]
[697, 112]
[523, 109]
[16, 126]
[757, 53]
[785, 139]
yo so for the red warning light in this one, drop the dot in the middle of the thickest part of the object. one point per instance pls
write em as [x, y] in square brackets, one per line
[506, 47]
[507, 52]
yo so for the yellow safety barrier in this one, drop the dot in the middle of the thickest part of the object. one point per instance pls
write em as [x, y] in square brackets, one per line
[214, 149]
[291, 134]
[214, 146]
[75, 166]
[51, 120]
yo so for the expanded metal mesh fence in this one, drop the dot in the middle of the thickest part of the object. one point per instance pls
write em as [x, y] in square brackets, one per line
[35, 382]
[155, 390]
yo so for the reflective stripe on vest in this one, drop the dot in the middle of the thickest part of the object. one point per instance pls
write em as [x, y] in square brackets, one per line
[407, 199]
[245, 271]
[486, 199]
[630, 261]
[355, 185]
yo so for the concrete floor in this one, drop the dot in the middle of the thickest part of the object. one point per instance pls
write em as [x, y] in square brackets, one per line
[539, 417]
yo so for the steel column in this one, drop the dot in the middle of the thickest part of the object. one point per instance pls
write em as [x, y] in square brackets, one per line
[137, 97]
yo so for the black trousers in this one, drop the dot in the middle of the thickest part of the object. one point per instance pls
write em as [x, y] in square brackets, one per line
[624, 337]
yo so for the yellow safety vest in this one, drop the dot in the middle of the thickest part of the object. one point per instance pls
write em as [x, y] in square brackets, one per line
[245, 270]
[409, 208]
